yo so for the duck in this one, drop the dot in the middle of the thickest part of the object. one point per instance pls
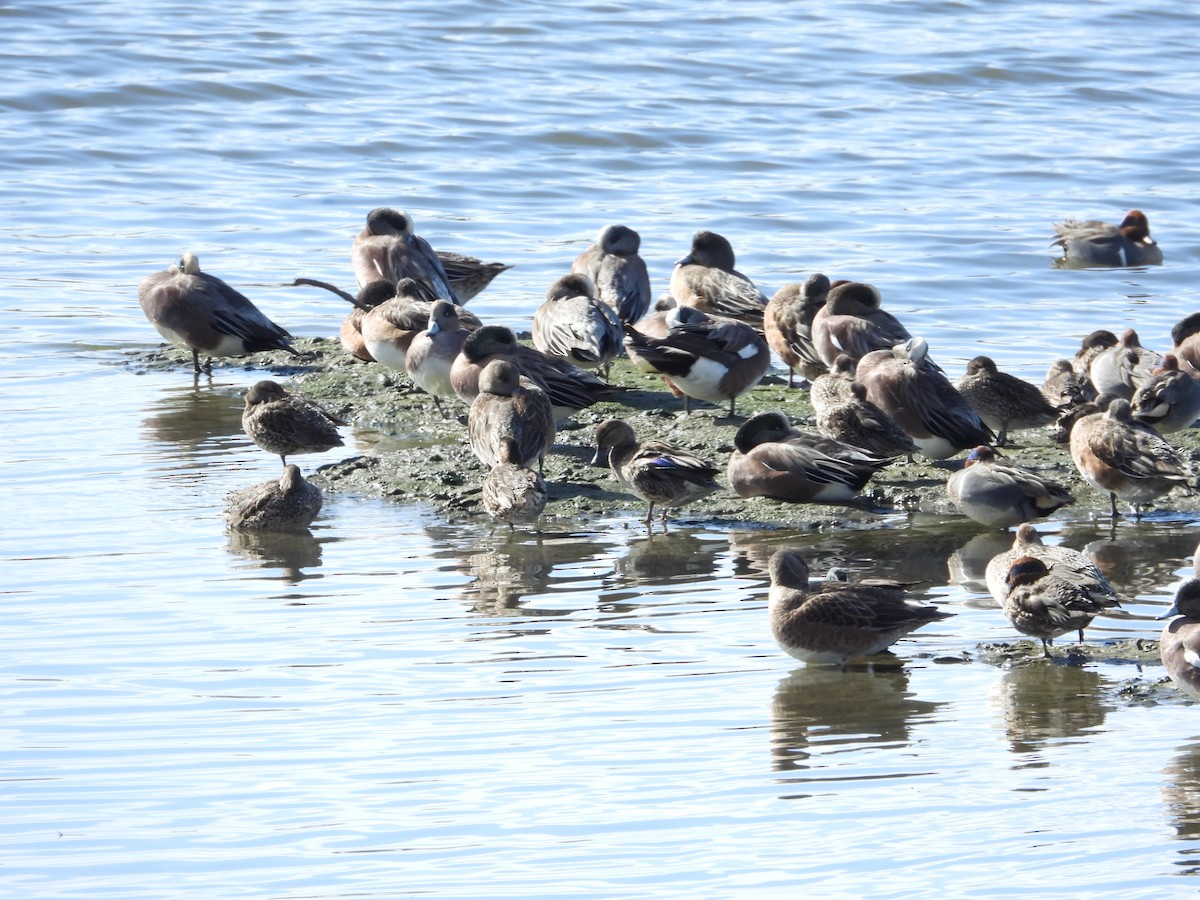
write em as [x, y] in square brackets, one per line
[287, 424]
[1170, 400]
[851, 418]
[705, 357]
[1064, 388]
[1179, 643]
[1040, 604]
[569, 387]
[1073, 565]
[853, 323]
[1095, 243]
[905, 384]
[573, 325]
[389, 327]
[432, 352]
[511, 406]
[829, 622]
[787, 325]
[1185, 343]
[388, 249]
[1004, 402]
[1124, 367]
[773, 459]
[660, 473]
[468, 275]
[616, 268]
[1000, 495]
[1092, 345]
[511, 492]
[1126, 458]
[706, 278]
[199, 312]
[286, 503]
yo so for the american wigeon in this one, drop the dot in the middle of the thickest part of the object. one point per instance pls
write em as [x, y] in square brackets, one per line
[286, 503]
[706, 279]
[618, 272]
[1117, 454]
[1043, 605]
[389, 328]
[1170, 400]
[705, 357]
[852, 322]
[1004, 402]
[832, 621]
[1000, 494]
[512, 492]
[1064, 388]
[432, 352]
[1185, 343]
[787, 325]
[1072, 565]
[1095, 243]
[1179, 643]
[1124, 367]
[468, 275]
[905, 384]
[388, 249]
[199, 312]
[287, 424]
[575, 326]
[509, 406]
[662, 474]
[569, 387]
[772, 459]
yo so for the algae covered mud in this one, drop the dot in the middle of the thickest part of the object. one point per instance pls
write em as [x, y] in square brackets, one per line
[427, 459]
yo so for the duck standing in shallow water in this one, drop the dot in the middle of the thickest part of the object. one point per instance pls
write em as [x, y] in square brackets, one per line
[832, 621]
[705, 357]
[998, 495]
[512, 492]
[575, 326]
[1004, 402]
[288, 503]
[199, 312]
[787, 325]
[1095, 243]
[1042, 605]
[510, 407]
[1117, 454]
[1179, 643]
[1067, 563]
[657, 472]
[618, 272]
[706, 279]
[287, 424]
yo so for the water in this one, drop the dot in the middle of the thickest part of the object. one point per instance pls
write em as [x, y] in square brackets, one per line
[408, 704]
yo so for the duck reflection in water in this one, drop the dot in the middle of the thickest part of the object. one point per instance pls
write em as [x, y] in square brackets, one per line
[1181, 803]
[1042, 703]
[190, 419]
[820, 713]
[290, 552]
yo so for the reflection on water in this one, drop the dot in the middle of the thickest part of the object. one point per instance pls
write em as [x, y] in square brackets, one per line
[291, 552]
[819, 711]
[683, 554]
[968, 564]
[189, 418]
[1145, 560]
[1181, 803]
[1047, 701]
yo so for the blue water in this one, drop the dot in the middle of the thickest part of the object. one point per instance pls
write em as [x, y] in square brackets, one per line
[404, 704]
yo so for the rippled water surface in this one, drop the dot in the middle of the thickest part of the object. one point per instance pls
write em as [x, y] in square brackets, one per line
[400, 703]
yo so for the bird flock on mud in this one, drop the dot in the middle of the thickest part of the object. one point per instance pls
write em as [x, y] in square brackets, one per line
[876, 391]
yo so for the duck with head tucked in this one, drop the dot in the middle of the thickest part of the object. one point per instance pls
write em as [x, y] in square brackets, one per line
[773, 459]
[575, 326]
[1064, 388]
[388, 249]
[662, 474]
[1004, 402]
[906, 385]
[288, 424]
[1179, 643]
[1124, 367]
[1067, 563]
[999, 495]
[509, 407]
[706, 279]
[286, 503]
[1043, 605]
[199, 312]
[1117, 454]
[618, 272]
[1095, 243]
[513, 492]
[853, 323]
[1185, 343]
[396, 315]
[787, 325]
[843, 413]
[468, 275]
[832, 621]
[1170, 400]
[704, 357]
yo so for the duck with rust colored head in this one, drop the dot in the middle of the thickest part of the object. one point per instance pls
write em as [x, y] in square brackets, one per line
[1043, 605]
[1095, 243]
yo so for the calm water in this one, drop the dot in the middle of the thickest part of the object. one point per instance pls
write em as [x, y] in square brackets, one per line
[405, 704]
